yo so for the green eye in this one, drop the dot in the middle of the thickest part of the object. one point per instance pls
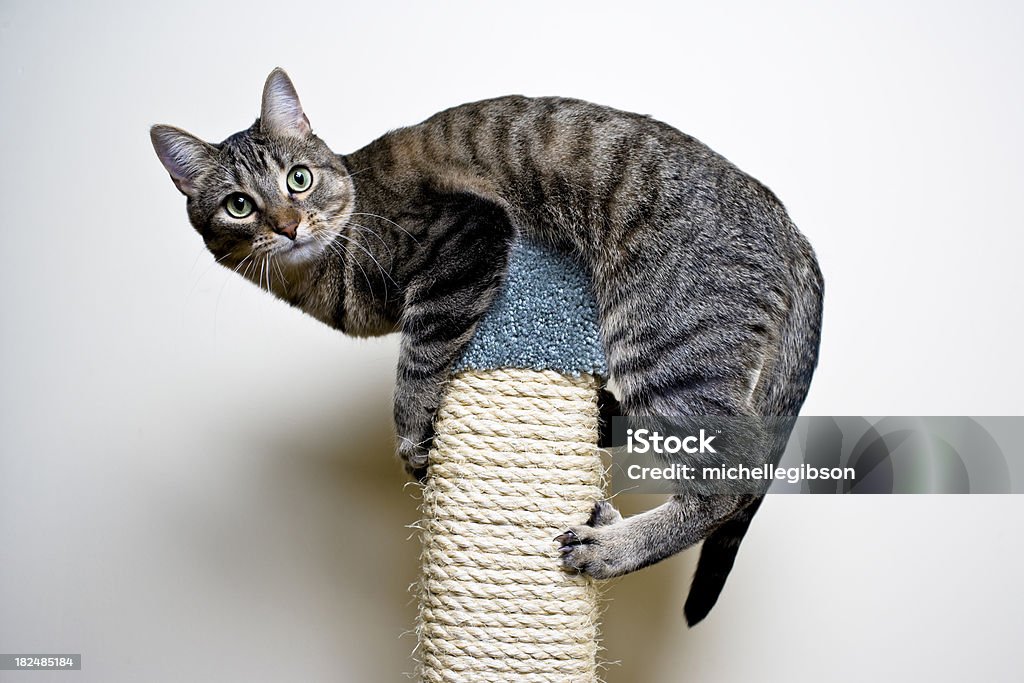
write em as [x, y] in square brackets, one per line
[299, 179]
[238, 205]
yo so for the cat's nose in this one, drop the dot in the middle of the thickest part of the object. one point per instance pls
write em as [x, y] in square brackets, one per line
[289, 229]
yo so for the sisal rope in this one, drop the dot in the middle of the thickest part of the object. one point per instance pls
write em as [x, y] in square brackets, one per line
[514, 463]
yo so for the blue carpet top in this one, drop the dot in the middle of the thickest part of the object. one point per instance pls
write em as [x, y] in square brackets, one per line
[545, 318]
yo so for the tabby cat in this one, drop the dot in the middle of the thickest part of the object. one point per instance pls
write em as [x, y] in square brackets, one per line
[709, 298]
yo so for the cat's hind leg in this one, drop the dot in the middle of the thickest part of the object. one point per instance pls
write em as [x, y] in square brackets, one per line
[705, 335]
[608, 545]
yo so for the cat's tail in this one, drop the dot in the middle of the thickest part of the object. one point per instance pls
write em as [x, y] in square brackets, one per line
[784, 391]
[716, 559]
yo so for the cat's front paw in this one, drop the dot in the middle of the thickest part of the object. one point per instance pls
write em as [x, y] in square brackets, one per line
[414, 457]
[599, 548]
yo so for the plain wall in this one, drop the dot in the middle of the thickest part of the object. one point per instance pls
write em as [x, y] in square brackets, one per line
[196, 482]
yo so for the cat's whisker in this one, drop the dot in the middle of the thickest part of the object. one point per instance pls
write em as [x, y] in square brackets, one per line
[245, 272]
[251, 269]
[383, 274]
[354, 260]
[195, 261]
[388, 220]
[352, 174]
[344, 254]
[348, 256]
[281, 273]
[235, 269]
[223, 288]
[206, 271]
[363, 228]
[216, 305]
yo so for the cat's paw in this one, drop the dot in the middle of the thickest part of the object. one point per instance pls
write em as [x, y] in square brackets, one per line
[598, 548]
[415, 458]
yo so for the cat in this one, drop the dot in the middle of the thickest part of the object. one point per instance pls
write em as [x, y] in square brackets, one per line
[709, 298]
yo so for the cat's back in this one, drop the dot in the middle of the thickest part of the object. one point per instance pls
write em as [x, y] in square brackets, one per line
[507, 145]
[547, 134]
[546, 126]
[562, 165]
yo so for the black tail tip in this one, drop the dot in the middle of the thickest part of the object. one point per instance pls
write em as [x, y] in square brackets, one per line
[698, 605]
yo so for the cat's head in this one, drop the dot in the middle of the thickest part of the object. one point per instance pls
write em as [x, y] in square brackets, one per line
[270, 195]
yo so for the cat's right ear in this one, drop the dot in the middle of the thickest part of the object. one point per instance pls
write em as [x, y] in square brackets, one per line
[281, 112]
[185, 156]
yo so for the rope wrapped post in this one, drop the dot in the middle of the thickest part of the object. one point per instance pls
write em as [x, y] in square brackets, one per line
[515, 462]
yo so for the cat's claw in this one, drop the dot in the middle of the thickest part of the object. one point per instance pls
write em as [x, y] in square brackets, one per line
[593, 548]
[415, 459]
[566, 541]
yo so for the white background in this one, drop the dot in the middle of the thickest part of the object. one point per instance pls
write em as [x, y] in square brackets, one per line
[196, 482]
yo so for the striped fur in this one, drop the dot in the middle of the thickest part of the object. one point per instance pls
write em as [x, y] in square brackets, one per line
[709, 297]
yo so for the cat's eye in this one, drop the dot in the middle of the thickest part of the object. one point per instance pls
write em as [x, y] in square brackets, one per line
[238, 205]
[299, 179]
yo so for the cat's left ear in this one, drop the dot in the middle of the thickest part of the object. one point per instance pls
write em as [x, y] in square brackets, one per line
[281, 113]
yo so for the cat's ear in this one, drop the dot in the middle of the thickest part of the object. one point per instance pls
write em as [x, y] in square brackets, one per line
[281, 113]
[185, 156]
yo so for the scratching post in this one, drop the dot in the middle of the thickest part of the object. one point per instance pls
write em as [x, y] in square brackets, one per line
[514, 463]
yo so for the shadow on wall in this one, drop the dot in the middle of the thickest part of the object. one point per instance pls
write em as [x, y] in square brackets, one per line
[308, 515]
[316, 523]
[357, 505]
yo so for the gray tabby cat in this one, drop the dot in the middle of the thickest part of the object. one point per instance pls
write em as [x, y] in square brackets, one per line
[709, 298]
